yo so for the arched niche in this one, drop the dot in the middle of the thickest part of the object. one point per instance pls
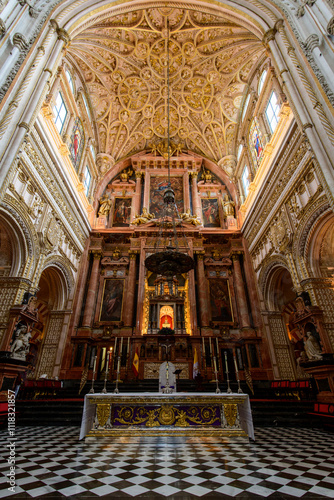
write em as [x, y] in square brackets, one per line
[279, 289]
[13, 247]
[53, 289]
[320, 249]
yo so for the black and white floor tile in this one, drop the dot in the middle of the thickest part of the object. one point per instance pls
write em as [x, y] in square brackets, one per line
[282, 463]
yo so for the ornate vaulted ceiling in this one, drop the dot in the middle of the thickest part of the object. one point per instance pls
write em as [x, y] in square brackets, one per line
[123, 60]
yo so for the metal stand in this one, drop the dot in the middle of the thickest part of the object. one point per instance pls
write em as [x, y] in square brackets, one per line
[104, 390]
[227, 377]
[116, 391]
[92, 388]
[218, 391]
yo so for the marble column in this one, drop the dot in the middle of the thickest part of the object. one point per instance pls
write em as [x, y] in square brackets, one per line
[240, 293]
[202, 291]
[131, 288]
[197, 209]
[92, 291]
[136, 200]
[186, 193]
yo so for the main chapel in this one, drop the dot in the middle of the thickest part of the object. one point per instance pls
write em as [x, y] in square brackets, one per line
[107, 106]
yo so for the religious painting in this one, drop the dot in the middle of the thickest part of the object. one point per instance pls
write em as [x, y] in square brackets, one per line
[221, 308]
[256, 142]
[77, 143]
[210, 212]
[111, 306]
[122, 212]
[158, 186]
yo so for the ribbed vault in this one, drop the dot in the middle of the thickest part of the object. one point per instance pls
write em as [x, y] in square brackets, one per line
[123, 60]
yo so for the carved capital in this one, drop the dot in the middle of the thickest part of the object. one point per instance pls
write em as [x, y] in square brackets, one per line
[3, 29]
[97, 254]
[312, 42]
[228, 164]
[138, 174]
[104, 162]
[269, 36]
[63, 35]
[193, 175]
[330, 27]
[20, 42]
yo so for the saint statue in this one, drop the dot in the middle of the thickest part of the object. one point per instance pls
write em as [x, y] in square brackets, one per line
[228, 206]
[20, 346]
[105, 205]
[190, 219]
[312, 347]
[143, 218]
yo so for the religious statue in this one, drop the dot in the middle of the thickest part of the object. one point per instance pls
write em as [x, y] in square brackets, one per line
[105, 205]
[228, 206]
[126, 174]
[190, 219]
[143, 218]
[312, 347]
[207, 176]
[20, 346]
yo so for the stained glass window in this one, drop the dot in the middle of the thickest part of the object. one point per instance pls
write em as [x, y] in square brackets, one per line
[256, 142]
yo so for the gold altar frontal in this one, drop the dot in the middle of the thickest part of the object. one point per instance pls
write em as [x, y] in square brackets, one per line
[178, 414]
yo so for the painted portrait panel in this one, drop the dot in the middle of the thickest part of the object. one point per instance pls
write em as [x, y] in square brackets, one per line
[221, 309]
[210, 212]
[77, 143]
[111, 307]
[158, 186]
[122, 212]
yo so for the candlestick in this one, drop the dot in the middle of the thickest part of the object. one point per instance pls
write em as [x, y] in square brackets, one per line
[94, 366]
[210, 345]
[237, 374]
[104, 390]
[116, 391]
[227, 377]
[218, 391]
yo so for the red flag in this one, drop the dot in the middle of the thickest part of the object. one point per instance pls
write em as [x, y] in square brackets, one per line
[135, 364]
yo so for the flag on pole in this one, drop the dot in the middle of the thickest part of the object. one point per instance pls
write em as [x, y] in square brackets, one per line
[84, 377]
[249, 379]
[195, 365]
[135, 364]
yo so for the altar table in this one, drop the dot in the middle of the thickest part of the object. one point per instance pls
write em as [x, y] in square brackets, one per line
[156, 414]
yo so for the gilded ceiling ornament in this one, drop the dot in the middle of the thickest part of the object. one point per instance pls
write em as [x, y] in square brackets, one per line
[123, 61]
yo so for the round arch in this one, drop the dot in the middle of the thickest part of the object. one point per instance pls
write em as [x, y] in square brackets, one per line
[268, 280]
[18, 242]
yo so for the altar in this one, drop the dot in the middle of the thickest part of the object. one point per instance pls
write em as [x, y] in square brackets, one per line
[156, 414]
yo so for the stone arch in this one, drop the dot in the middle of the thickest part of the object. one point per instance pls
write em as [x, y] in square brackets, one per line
[21, 240]
[267, 274]
[318, 238]
[61, 278]
[307, 228]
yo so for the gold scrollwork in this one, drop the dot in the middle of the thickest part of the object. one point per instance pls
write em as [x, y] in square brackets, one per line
[166, 415]
[231, 412]
[102, 413]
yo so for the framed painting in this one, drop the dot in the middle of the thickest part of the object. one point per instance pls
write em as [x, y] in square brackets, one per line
[77, 143]
[122, 212]
[210, 210]
[220, 300]
[158, 186]
[112, 300]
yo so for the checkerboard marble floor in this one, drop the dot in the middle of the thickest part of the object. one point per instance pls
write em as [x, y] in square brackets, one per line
[281, 463]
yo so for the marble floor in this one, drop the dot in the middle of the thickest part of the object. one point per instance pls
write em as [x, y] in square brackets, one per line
[282, 463]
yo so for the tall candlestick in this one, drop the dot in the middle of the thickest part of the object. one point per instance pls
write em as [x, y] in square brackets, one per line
[210, 345]
[237, 374]
[115, 346]
[128, 346]
[104, 390]
[214, 363]
[94, 366]
[121, 347]
[227, 377]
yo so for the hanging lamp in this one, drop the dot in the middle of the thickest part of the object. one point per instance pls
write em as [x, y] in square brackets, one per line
[170, 255]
